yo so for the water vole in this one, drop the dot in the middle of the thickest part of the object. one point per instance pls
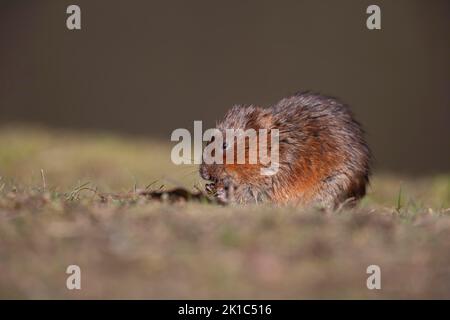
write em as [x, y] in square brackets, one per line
[323, 156]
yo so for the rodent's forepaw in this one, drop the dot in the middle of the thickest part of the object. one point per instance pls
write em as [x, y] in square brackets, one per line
[210, 188]
[221, 192]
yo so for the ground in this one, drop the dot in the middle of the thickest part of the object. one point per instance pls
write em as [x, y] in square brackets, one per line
[73, 199]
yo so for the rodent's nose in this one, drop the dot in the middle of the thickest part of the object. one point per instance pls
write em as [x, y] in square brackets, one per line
[204, 174]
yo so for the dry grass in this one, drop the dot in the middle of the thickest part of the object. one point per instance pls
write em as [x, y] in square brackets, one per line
[132, 247]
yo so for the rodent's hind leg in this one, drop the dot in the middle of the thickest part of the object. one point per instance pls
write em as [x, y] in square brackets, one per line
[337, 192]
[332, 191]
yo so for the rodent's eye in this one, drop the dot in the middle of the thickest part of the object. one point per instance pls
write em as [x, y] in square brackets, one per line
[225, 145]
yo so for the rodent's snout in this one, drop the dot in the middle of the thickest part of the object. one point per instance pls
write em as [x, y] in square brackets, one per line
[204, 172]
[212, 173]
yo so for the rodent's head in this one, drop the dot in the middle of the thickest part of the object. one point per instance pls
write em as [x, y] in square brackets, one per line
[239, 130]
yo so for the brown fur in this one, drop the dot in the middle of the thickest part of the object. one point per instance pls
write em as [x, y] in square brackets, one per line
[324, 159]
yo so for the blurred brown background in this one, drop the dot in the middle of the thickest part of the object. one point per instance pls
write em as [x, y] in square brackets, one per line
[148, 67]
